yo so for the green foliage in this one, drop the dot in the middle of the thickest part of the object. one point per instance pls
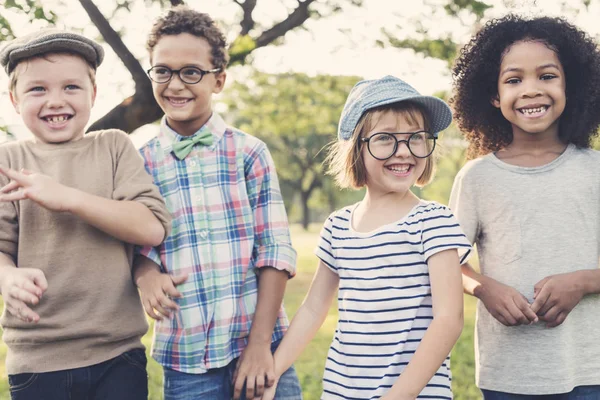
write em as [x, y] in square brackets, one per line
[32, 8]
[241, 47]
[442, 48]
[478, 8]
[296, 115]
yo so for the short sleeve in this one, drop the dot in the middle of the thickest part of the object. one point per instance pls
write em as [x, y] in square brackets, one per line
[441, 231]
[462, 204]
[324, 247]
[133, 183]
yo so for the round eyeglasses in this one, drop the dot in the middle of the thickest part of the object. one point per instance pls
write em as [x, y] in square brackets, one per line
[191, 75]
[384, 145]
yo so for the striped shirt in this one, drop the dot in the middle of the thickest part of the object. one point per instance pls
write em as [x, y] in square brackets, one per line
[228, 221]
[384, 299]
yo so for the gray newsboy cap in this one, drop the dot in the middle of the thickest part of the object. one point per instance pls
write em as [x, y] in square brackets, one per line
[49, 41]
[369, 94]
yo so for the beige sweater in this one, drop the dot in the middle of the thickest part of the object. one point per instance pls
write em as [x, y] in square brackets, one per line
[91, 311]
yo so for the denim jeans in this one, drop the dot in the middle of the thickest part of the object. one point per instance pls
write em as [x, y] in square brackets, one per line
[217, 384]
[121, 378]
[579, 393]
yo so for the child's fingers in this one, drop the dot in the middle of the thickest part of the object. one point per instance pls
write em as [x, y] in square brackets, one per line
[525, 309]
[171, 290]
[560, 318]
[250, 384]
[270, 378]
[9, 187]
[156, 304]
[238, 386]
[269, 393]
[150, 311]
[540, 300]
[179, 279]
[24, 295]
[167, 303]
[39, 279]
[14, 196]
[19, 177]
[21, 311]
[260, 385]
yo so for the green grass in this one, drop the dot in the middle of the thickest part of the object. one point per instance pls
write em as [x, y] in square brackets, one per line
[311, 363]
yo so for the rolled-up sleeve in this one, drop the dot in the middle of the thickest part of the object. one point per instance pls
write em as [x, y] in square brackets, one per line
[272, 243]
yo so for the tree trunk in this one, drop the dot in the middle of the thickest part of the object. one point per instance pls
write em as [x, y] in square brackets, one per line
[304, 196]
[133, 112]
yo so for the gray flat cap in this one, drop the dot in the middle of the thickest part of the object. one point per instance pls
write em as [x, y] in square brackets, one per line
[369, 94]
[49, 41]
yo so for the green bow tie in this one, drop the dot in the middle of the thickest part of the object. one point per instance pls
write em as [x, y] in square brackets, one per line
[184, 147]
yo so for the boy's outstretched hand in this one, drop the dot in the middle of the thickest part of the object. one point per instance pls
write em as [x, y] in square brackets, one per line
[37, 187]
[20, 287]
[255, 368]
[506, 304]
[556, 295]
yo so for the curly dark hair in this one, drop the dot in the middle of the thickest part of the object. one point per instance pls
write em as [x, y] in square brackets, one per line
[182, 19]
[476, 70]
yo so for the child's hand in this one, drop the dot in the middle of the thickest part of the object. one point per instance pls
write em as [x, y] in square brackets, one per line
[37, 187]
[22, 286]
[269, 393]
[157, 290]
[506, 304]
[555, 296]
[255, 368]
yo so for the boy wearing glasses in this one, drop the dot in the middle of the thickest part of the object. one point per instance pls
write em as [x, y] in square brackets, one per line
[229, 253]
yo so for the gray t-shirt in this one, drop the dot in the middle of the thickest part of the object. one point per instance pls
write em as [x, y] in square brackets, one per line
[529, 223]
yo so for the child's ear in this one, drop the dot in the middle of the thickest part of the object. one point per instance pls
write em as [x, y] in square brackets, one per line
[14, 101]
[495, 101]
[220, 79]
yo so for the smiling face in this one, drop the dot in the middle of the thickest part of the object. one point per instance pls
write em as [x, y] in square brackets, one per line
[187, 106]
[531, 89]
[54, 95]
[399, 172]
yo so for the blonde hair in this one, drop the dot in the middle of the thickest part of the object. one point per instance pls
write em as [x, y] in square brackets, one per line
[14, 75]
[345, 162]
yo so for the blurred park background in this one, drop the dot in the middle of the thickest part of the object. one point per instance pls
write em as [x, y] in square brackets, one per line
[293, 63]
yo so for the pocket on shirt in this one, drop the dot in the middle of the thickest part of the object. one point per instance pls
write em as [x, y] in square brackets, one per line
[505, 241]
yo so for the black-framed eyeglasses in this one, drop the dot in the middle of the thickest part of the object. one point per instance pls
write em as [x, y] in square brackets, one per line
[191, 75]
[384, 145]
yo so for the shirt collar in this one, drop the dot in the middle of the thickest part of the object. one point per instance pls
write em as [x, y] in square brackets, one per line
[167, 136]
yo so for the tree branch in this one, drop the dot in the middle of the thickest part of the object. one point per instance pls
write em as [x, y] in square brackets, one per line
[176, 2]
[247, 22]
[115, 42]
[295, 19]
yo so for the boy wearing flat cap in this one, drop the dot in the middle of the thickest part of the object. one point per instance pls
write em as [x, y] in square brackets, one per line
[71, 209]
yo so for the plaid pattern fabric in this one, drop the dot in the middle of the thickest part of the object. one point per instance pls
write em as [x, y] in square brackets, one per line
[228, 221]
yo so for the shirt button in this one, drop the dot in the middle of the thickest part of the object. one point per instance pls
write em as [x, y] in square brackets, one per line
[192, 163]
[203, 234]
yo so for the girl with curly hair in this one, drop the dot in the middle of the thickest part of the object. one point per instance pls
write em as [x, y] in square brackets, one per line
[527, 97]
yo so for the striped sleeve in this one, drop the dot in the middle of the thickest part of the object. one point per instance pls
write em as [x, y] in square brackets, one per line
[324, 248]
[441, 231]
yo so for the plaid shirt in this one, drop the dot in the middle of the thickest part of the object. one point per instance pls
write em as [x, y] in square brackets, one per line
[228, 221]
